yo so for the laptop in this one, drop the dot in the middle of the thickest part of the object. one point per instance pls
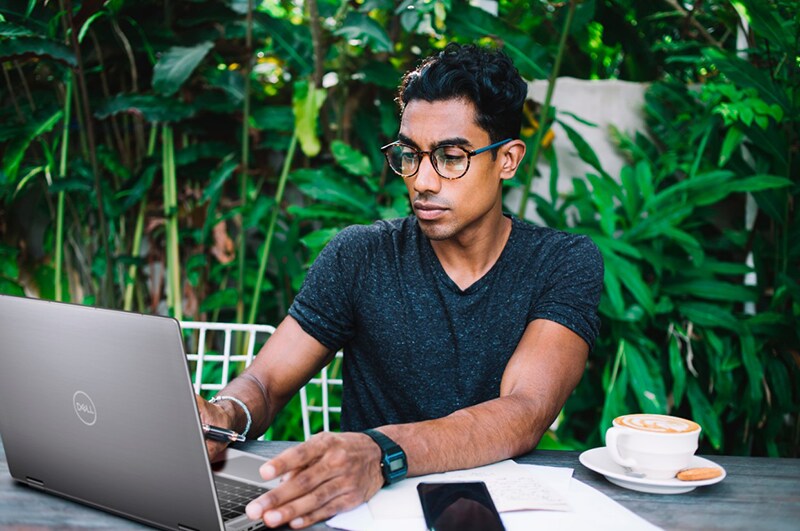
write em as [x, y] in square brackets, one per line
[98, 407]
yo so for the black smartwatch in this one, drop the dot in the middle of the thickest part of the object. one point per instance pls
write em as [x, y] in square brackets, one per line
[394, 466]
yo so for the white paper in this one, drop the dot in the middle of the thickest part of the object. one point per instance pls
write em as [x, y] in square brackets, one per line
[591, 509]
[513, 487]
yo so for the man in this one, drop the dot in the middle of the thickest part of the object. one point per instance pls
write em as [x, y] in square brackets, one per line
[464, 330]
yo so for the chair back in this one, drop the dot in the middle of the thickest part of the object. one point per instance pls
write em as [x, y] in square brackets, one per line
[217, 352]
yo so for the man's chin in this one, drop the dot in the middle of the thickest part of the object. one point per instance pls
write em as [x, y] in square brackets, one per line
[436, 231]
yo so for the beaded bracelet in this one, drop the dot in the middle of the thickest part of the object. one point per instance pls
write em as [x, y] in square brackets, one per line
[242, 405]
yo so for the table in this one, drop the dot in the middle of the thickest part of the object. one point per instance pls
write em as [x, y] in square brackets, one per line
[759, 493]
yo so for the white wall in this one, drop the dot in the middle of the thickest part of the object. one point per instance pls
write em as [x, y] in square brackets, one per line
[602, 102]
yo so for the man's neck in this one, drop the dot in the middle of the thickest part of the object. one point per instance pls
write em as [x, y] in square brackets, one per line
[468, 256]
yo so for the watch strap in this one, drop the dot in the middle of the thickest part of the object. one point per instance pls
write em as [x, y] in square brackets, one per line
[394, 466]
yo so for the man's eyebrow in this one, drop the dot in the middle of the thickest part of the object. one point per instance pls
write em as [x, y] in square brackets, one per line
[454, 141]
[405, 140]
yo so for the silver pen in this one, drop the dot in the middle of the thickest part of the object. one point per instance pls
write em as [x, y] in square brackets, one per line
[221, 434]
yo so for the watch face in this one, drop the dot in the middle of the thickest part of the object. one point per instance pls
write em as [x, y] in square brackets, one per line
[396, 464]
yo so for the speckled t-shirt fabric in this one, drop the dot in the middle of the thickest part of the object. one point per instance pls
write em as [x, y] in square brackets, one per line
[416, 346]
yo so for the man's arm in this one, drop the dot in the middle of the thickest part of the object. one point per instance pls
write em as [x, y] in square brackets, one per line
[283, 365]
[335, 472]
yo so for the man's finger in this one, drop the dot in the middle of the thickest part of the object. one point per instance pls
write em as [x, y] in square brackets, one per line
[300, 456]
[298, 510]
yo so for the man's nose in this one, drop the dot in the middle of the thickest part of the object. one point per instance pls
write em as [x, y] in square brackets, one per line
[426, 179]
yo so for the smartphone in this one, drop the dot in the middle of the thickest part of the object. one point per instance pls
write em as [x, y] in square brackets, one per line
[464, 506]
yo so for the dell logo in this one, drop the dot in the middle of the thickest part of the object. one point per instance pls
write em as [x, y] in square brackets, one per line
[84, 408]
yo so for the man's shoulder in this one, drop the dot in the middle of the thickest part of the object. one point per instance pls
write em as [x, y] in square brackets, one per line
[376, 233]
[548, 235]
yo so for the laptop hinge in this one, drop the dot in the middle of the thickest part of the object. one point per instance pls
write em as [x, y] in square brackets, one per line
[35, 483]
[182, 527]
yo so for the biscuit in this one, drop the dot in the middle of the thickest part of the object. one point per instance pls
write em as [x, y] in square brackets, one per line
[697, 474]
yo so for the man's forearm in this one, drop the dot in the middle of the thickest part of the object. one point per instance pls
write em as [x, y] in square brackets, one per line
[250, 390]
[492, 431]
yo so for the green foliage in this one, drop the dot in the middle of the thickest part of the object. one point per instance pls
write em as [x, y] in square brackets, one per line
[700, 305]
[693, 323]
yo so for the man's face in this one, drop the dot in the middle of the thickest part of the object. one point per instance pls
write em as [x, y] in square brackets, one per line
[446, 208]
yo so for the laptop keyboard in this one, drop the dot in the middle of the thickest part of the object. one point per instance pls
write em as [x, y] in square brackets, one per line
[234, 496]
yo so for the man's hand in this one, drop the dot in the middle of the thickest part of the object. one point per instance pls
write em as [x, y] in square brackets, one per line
[330, 473]
[216, 415]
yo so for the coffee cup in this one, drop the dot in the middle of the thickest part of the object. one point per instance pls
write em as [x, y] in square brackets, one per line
[656, 446]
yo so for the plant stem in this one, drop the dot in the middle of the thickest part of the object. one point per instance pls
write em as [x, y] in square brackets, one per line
[545, 114]
[136, 247]
[171, 214]
[245, 166]
[262, 265]
[700, 150]
[617, 361]
[107, 289]
[62, 173]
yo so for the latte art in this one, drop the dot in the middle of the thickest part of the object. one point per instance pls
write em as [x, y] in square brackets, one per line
[657, 423]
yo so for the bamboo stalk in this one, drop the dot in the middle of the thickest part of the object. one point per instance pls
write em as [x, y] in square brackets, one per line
[544, 124]
[245, 166]
[173, 273]
[107, 287]
[262, 265]
[136, 246]
[62, 173]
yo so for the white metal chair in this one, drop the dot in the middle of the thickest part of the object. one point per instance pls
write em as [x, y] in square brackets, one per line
[325, 385]
[213, 366]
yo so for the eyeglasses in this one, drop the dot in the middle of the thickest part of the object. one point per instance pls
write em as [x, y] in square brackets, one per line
[450, 162]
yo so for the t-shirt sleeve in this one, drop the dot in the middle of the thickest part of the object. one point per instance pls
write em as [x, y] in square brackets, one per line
[324, 307]
[572, 288]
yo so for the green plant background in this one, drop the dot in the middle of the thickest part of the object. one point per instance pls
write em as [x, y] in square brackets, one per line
[192, 157]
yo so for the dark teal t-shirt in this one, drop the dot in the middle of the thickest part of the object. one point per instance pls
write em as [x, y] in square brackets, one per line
[416, 346]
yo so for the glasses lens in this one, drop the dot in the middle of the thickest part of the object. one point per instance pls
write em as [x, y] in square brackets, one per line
[403, 159]
[450, 161]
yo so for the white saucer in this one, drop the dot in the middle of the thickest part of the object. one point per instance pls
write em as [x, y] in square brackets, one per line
[599, 460]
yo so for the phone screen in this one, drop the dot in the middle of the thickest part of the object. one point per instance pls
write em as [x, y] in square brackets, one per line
[458, 507]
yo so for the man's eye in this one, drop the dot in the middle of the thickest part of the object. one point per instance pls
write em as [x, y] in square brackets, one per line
[450, 155]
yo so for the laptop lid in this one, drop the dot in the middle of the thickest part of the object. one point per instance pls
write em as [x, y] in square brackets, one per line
[98, 406]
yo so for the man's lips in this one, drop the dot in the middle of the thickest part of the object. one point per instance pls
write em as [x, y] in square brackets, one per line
[428, 211]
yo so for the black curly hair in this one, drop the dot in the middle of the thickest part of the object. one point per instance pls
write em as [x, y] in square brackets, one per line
[485, 77]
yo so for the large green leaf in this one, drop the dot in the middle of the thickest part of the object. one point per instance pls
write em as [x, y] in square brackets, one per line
[585, 151]
[37, 47]
[306, 103]
[361, 28]
[273, 118]
[753, 368]
[613, 290]
[678, 370]
[712, 289]
[474, 24]
[176, 65]
[352, 160]
[227, 298]
[779, 382]
[7, 29]
[15, 150]
[153, 108]
[703, 413]
[766, 22]
[616, 390]
[757, 183]
[219, 177]
[743, 74]
[327, 186]
[631, 277]
[703, 189]
[646, 381]
[711, 315]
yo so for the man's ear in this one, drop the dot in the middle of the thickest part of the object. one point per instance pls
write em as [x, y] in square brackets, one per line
[511, 156]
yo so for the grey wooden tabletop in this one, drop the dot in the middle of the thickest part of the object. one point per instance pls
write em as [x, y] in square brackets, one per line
[758, 493]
